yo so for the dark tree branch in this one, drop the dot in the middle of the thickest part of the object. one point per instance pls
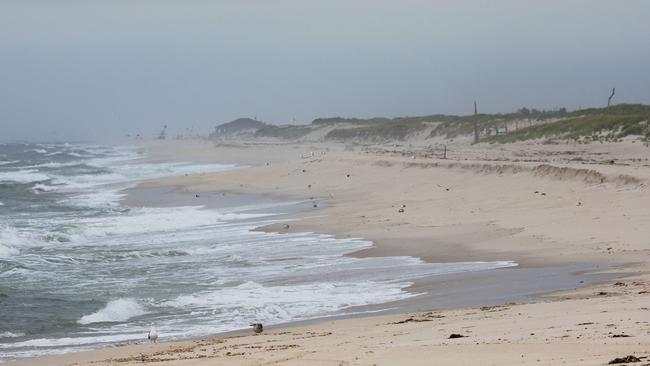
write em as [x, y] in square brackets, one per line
[609, 100]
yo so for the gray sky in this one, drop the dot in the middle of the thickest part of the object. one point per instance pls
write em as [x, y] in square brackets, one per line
[96, 69]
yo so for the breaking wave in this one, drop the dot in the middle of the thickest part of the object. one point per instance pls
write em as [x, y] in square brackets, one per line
[119, 310]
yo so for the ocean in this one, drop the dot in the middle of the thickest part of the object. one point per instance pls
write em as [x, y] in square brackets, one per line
[80, 270]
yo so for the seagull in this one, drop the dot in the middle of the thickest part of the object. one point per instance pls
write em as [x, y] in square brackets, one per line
[153, 334]
[257, 328]
[446, 188]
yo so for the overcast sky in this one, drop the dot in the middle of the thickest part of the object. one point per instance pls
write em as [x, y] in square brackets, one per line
[96, 69]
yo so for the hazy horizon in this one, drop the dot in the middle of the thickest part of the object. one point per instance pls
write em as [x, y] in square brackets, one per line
[89, 70]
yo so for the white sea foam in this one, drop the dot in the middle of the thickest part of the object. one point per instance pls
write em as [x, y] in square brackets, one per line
[23, 176]
[11, 335]
[10, 241]
[68, 153]
[103, 189]
[149, 221]
[39, 187]
[9, 162]
[53, 165]
[7, 251]
[275, 304]
[119, 310]
[69, 341]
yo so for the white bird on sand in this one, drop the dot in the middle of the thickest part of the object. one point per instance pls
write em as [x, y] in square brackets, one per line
[153, 334]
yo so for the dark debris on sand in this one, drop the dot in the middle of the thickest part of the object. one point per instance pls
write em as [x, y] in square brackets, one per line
[408, 320]
[626, 359]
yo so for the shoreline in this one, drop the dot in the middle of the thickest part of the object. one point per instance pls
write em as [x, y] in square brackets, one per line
[470, 240]
[558, 278]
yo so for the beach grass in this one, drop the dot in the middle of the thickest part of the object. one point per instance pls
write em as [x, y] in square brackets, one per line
[594, 124]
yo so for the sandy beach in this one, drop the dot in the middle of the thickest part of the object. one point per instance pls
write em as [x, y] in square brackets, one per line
[541, 206]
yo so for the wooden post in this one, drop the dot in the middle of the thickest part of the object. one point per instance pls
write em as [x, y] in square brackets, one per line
[444, 154]
[609, 100]
[475, 124]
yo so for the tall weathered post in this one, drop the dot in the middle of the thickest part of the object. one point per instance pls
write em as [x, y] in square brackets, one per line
[163, 133]
[475, 124]
[609, 100]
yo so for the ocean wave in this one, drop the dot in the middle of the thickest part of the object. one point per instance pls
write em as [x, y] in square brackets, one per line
[68, 342]
[9, 162]
[23, 176]
[274, 304]
[119, 310]
[101, 188]
[53, 165]
[9, 239]
[158, 220]
[11, 335]
[7, 251]
[39, 188]
[69, 154]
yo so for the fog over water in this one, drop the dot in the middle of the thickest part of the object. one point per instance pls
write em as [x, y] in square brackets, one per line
[80, 70]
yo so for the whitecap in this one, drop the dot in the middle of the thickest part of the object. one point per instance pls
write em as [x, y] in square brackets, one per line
[276, 304]
[11, 335]
[38, 188]
[7, 251]
[159, 220]
[23, 176]
[68, 341]
[11, 240]
[119, 310]
[77, 155]
[8, 239]
[53, 165]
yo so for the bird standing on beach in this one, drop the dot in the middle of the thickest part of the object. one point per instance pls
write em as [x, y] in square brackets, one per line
[257, 328]
[446, 188]
[153, 334]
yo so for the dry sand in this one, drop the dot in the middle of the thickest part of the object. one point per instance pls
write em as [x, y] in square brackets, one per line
[540, 205]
